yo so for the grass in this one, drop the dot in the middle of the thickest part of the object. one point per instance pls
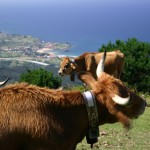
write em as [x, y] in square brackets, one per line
[115, 137]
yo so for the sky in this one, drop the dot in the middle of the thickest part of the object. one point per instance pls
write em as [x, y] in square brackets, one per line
[85, 20]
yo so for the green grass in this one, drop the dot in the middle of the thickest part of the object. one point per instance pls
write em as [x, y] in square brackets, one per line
[115, 137]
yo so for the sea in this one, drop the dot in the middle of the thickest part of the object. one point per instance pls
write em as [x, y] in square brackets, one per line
[86, 26]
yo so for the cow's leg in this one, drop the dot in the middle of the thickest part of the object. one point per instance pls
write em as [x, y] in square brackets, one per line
[119, 70]
[90, 63]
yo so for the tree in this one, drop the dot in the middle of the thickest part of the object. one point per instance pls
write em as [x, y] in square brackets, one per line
[137, 62]
[41, 77]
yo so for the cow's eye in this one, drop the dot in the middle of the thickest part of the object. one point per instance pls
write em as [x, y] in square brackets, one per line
[67, 66]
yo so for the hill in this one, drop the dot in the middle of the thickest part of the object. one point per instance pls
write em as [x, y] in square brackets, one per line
[19, 53]
[15, 45]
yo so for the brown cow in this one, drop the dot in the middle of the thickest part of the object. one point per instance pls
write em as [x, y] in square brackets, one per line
[88, 62]
[35, 118]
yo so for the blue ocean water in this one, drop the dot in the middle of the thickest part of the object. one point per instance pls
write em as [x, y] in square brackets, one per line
[86, 25]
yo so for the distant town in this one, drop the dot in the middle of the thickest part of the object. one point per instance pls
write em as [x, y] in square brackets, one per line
[15, 45]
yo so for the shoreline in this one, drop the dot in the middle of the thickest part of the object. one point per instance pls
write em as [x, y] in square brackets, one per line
[56, 53]
[44, 50]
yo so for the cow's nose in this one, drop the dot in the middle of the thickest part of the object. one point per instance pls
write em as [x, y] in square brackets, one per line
[60, 73]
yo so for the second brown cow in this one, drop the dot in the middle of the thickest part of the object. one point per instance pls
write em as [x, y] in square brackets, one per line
[88, 62]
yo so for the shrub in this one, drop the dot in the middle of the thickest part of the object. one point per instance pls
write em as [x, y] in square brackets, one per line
[137, 62]
[41, 77]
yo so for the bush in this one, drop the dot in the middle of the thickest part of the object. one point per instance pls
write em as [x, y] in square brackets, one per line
[137, 62]
[41, 77]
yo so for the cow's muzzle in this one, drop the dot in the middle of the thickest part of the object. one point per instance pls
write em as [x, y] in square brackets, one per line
[60, 73]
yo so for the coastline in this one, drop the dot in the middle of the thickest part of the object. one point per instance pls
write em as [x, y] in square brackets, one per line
[45, 50]
[10, 43]
[20, 45]
[55, 53]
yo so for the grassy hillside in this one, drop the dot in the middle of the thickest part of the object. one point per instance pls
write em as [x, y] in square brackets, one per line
[115, 137]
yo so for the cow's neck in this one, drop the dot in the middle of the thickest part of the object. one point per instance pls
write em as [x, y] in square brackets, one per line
[76, 103]
[80, 64]
[93, 121]
[75, 118]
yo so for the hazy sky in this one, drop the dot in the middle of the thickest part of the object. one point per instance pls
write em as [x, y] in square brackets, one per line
[104, 20]
[72, 1]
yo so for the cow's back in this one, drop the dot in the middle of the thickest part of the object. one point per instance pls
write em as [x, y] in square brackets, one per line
[34, 118]
[113, 63]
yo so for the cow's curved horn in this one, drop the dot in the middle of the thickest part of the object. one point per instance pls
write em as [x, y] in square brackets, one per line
[59, 57]
[100, 67]
[121, 101]
[3, 82]
[73, 61]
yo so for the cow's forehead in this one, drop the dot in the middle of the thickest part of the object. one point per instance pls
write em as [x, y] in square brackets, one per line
[65, 61]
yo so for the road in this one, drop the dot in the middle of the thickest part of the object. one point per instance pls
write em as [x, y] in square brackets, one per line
[24, 60]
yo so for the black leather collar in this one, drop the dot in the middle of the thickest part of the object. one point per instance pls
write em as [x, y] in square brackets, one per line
[93, 130]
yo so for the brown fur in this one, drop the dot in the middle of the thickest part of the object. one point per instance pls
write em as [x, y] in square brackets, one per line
[88, 62]
[35, 118]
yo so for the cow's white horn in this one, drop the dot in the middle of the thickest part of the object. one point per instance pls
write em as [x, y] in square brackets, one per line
[100, 68]
[59, 58]
[121, 101]
[73, 61]
[3, 82]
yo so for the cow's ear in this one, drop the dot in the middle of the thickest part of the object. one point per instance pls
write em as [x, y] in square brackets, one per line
[73, 65]
[87, 78]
